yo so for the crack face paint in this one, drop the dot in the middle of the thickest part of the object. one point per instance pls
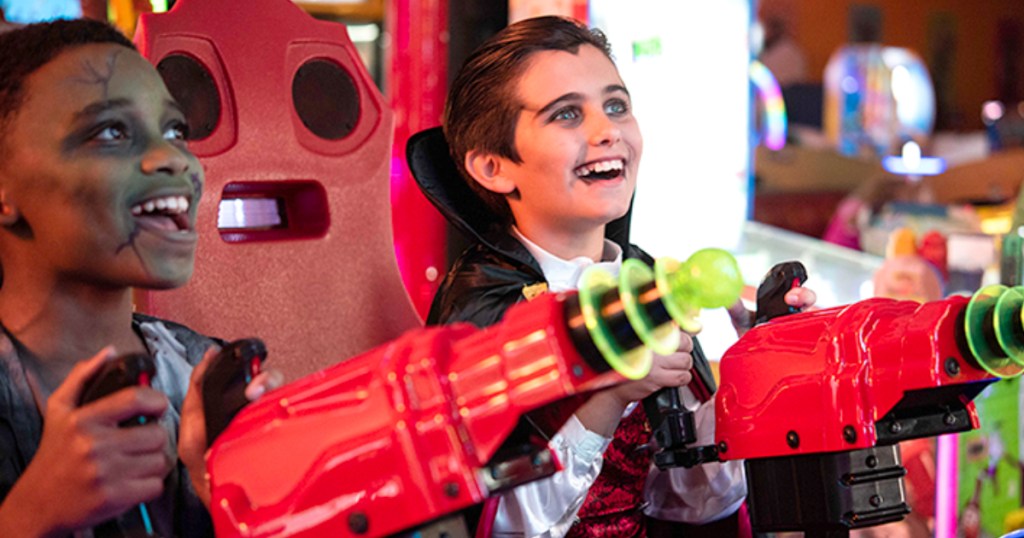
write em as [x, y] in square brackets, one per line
[100, 172]
[93, 75]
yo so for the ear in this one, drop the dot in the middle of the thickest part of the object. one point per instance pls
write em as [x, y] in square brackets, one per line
[8, 213]
[488, 170]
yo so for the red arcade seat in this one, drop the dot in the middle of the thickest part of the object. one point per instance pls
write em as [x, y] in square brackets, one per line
[295, 227]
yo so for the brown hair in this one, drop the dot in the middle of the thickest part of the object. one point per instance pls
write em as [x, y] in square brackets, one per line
[483, 109]
[28, 48]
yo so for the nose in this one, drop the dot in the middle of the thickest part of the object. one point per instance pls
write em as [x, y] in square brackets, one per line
[603, 130]
[163, 157]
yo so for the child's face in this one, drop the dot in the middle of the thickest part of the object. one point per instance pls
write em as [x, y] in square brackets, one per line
[578, 140]
[98, 171]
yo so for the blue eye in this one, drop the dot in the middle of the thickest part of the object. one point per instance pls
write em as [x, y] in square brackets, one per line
[566, 114]
[616, 107]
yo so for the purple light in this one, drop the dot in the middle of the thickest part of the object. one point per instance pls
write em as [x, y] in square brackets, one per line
[774, 107]
[945, 486]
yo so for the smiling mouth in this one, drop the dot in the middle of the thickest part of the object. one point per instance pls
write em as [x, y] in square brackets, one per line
[601, 170]
[167, 213]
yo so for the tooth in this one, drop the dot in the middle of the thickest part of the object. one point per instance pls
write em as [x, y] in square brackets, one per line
[183, 204]
[161, 203]
[149, 206]
[136, 210]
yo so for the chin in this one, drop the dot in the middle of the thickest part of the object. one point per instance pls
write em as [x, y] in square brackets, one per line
[168, 279]
[613, 214]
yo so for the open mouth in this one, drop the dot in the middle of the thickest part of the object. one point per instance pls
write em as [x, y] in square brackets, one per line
[601, 170]
[168, 213]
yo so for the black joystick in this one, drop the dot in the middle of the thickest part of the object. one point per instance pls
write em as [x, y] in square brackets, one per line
[129, 370]
[225, 380]
[772, 291]
[673, 427]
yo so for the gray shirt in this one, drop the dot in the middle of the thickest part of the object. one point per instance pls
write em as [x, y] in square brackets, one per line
[176, 349]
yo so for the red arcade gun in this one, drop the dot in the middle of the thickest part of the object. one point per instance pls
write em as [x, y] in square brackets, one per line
[400, 439]
[817, 402]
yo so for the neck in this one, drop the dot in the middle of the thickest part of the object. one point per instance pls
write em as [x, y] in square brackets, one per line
[62, 324]
[568, 245]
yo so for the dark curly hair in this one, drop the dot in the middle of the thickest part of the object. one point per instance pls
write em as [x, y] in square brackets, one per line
[28, 48]
[483, 108]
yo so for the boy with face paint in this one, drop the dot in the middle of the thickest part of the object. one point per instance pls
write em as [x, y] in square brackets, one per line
[540, 126]
[98, 192]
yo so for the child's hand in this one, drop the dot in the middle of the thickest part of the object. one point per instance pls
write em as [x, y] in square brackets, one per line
[801, 298]
[602, 412]
[666, 371]
[743, 319]
[192, 430]
[87, 468]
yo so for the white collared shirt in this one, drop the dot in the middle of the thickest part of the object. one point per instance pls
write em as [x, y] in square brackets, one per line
[565, 275]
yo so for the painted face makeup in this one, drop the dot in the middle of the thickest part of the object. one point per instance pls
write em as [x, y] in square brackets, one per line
[578, 140]
[100, 173]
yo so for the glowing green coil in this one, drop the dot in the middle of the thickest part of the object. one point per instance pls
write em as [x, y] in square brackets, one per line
[994, 326]
[655, 304]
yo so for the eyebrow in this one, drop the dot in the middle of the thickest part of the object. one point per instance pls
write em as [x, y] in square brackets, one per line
[574, 96]
[94, 109]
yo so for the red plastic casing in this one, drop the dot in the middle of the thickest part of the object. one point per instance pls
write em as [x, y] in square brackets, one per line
[395, 437]
[819, 372]
[325, 284]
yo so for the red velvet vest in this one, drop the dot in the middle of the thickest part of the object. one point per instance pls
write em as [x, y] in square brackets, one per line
[613, 506]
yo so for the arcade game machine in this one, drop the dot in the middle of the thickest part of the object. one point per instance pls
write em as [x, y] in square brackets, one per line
[880, 104]
[431, 418]
[295, 241]
[876, 99]
[815, 403]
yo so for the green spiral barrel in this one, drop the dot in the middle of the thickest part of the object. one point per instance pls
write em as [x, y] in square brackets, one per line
[994, 327]
[641, 312]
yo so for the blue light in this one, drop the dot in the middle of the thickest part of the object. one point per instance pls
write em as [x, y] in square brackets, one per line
[927, 166]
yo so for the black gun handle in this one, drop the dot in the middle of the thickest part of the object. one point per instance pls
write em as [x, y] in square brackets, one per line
[225, 380]
[128, 370]
[672, 425]
[771, 293]
[671, 429]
